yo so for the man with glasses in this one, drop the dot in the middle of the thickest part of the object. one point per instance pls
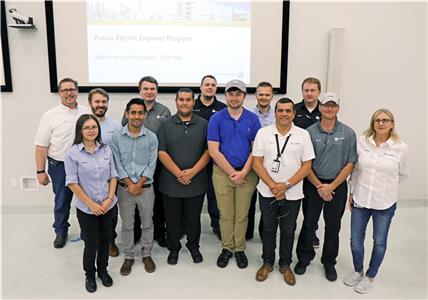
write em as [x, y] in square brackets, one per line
[98, 100]
[231, 133]
[282, 157]
[325, 187]
[54, 137]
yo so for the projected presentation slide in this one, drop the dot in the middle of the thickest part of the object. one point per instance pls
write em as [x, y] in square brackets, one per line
[128, 37]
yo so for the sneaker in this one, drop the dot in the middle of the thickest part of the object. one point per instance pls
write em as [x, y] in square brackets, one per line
[300, 268]
[364, 286]
[330, 273]
[316, 243]
[196, 256]
[60, 241]
[241, 259]
[353, 278]
[224, 257]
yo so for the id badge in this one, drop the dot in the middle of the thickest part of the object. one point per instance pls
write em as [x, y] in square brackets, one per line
[275, 166]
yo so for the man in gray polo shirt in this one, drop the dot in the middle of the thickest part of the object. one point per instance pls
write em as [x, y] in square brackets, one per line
[325, 187]
[183, 179]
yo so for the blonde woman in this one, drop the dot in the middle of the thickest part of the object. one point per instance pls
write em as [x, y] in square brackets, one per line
[382, 165]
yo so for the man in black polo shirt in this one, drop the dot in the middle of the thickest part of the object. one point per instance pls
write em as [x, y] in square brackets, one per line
[308, 113]
[205, 106]
[183, 178]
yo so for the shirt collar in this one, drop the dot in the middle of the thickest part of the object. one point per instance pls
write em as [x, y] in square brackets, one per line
[335, 128]
[82, 147]
[177, 119]
[389, 141]
[125, 131]
[68, 108]
[275, 130]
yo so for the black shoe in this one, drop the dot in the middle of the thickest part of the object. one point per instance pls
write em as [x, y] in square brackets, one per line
[224, 257]
[316, 242]
[60, 240]
[196, 256]
[90, 284]
[330, 273]
[300, 268]
[241, 259]
[105, 278]
[172, 258]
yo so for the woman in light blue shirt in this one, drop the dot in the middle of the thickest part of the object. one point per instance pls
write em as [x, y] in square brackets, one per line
[91, 175]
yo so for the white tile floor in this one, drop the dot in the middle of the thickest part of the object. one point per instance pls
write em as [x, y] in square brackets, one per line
[32, 268]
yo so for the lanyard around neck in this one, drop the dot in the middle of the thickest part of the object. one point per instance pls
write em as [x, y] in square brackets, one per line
[279, 153]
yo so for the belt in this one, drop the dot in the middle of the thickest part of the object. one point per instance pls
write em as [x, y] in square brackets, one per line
[145, 186]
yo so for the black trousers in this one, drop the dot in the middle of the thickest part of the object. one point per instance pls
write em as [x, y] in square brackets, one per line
[285, 217]
[252, 218]
[96, 232]
[175, 209]
[333, 211]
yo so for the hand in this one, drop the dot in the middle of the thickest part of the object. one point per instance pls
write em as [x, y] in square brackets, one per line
[97, 209]
[350, 201]
[106, 204]
[134, 189]
[325, 191]
[278, 190]
[43, 178]
[238, 178]
[185, 176]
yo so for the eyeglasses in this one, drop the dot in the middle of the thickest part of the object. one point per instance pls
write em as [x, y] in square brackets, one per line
[65, 91]
[90, 128]
[384, 121]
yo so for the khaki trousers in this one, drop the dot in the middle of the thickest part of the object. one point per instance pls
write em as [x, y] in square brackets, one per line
[233, 202]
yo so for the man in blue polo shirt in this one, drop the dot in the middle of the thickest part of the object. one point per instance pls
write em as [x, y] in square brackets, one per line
[231, 133]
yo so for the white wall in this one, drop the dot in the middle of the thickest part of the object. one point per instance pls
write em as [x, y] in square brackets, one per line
[384, 66]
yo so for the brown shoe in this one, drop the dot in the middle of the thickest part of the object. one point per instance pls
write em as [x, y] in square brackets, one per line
[288, 275]
[126, 267]
[113, 251]
[149, 264]
[263, 272]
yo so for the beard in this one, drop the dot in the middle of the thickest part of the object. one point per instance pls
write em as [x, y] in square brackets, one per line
[98, 113]
[208, 97]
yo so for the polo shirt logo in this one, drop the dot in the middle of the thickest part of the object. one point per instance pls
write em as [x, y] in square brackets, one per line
[338, 138]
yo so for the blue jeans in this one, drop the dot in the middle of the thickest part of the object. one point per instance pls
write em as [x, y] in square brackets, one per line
[63, 196]
[381, 223]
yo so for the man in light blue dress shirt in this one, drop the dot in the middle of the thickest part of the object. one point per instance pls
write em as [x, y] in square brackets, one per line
[266, 114]
[135, 153]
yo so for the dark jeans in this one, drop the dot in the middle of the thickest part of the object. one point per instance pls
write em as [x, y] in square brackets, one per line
[175, 209]
[381, 223]
[212, 201]
[63, 195]
[287, 225]
[252, 218]
[96, 232]
[332, 213]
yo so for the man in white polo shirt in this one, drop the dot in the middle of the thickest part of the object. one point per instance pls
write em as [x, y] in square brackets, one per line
[282, 157]
[54, 137]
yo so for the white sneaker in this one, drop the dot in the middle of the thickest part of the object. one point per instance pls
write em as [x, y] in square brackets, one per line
[353, 278]
[364, 286]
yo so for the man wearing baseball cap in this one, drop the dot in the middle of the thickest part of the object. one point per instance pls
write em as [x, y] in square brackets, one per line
[325, 187]
[231, 133]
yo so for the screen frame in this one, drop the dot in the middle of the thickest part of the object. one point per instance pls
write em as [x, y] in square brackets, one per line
[53, 74]
[7, 86]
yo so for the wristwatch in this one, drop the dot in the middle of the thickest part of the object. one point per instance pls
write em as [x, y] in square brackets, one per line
[288, 185]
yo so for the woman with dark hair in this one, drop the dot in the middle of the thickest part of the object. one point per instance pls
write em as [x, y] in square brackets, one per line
[91, 175]
[382, 165]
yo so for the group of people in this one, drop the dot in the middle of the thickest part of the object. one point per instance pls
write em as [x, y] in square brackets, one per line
[154, 170]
